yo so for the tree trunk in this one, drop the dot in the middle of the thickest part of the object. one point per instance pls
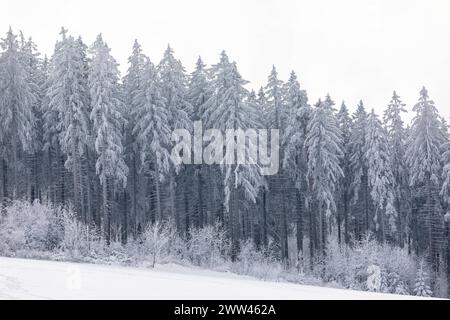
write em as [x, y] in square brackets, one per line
[200, 199]
[158, 198]
[186, 209]
[366, 205]
[77, 182]
[324, 231]
[172, 198]
[88, 184]
[106, 212]
[14, 167]
[233, 224]
[134, 195]
[284, 233]
[125, 224]
[311, 239]
[382, 226]
[62, 186]
[300, 209]
[5, 179]
[338, 221]
[346, 231]
[447, 233]
[265, 239]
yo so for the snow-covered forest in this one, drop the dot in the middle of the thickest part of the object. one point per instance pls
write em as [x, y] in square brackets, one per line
[360, 200]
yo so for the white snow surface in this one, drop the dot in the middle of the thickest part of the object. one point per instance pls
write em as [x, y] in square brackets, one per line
[35, 279]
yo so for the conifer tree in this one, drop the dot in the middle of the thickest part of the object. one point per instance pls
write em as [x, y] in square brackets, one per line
[323, 142]
[132, 85]
[152, 130]
[360, 188]
[424, 159]
[68, 98]
[278, 116]
[421, 286]
[295, 156]
[201, 176]
[107, 123]
[380, 177]
[174, 82]
[228, 109]
[36, 77]
[17, 98]
[397, 140]
[345, 124]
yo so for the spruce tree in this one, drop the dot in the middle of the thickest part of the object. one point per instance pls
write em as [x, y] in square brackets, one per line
[68, 98]
[174, 82]
[424, 159]
[278, 116]
[380, 177]
[152, 130]
[201, 176]
[295, 156]
[421, 286]
[345, 124]
[397, 142]
[36, 77]
[107, 123]
[323, 142]
[132, 85]
[18, 96]
[228, 109]
[360, 188]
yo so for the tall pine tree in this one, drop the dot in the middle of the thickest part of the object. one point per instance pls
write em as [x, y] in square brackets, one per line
[107, 123]
[424, 159]
[323, 141]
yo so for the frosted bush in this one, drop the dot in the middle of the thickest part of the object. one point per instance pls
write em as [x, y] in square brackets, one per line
[116, 253]
[79, 240]
[393, 283]
[26, 226]
[374, 278]
[208, 246]
[338, 267]
[177, 249]
[156, 240]
[261, 264]
[421, 283]
[134, 251]
[350, 266]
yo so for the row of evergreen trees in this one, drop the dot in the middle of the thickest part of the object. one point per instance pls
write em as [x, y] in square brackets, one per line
[73, 132]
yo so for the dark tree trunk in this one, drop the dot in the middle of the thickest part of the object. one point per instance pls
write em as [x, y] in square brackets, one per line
[106, 213]
[200, 199]
[311, 239]
[5, 179]
[447, 233]
[125, 224]
[346, 231]
[285, 234]
[265, 239]
[300, 209]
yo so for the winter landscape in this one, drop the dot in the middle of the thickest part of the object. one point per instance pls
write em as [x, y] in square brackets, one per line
[31, 279]
[100, 194]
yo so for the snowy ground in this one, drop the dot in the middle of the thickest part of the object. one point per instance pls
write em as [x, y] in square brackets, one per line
[31, 279]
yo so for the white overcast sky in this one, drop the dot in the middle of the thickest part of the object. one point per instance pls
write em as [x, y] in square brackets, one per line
[352, 49]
